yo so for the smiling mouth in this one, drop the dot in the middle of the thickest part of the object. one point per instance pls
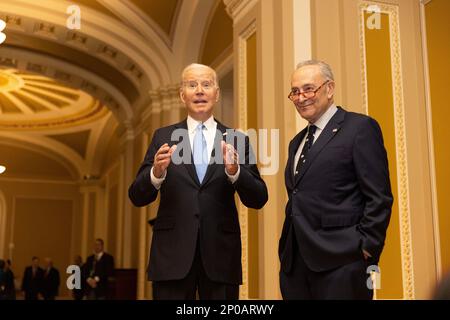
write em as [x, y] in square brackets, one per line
[303, 106]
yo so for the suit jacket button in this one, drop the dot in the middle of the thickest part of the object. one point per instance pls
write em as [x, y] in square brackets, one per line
[295, 191]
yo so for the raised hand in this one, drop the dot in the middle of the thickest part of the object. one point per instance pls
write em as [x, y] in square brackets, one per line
[230, 158]
[162, 159]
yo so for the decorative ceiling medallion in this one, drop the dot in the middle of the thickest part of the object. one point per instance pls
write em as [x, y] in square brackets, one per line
[9, 82]
[29, 101]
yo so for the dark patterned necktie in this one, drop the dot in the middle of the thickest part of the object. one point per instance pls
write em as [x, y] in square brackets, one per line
[308, 144]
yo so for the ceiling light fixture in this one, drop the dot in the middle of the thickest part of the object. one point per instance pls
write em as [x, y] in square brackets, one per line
[2, 169]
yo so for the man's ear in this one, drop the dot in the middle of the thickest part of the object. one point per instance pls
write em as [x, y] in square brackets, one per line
[182, 95]
[218, 95]
[331, 86]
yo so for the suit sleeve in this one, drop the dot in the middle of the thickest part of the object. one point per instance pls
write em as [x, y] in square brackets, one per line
[142, 192]
[251, 188]
[371, 164]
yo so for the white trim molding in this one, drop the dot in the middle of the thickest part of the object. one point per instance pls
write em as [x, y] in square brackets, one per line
[400, 134]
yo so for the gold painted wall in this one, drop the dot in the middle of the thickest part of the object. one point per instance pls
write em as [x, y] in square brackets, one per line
[162, 12]
[112, 244]
[381, 108]
[18, 195]
[437, 15]
[112, 153]
[91, 223]
[43, 228]
[253, 216]
[21, 162]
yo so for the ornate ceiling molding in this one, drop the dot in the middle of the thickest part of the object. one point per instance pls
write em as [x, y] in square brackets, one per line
[52, 150]
[238, 8]
[143, 60]
[98, 43]
[69, 75]
[33, 102]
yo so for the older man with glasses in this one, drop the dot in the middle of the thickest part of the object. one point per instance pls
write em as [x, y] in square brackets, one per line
[196, 244]
[340, 199]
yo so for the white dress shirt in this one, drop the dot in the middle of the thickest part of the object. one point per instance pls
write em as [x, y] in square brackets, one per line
[210, 133]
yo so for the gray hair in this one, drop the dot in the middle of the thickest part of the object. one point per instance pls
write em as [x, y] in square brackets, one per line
[325, 68]
[198, 65]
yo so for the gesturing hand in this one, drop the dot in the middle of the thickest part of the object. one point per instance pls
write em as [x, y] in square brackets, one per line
[162, 159]
[230, 158]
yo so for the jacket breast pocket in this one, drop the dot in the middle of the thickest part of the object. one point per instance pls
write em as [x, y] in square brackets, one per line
[163, 224]
[339, 221]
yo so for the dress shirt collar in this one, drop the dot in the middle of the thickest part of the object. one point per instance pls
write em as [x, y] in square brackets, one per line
[325, 118]
[192, 124]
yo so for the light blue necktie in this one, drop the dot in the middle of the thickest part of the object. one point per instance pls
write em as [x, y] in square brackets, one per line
[200, 152]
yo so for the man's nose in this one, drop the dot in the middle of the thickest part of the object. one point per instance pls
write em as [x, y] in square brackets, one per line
[300, 98]
[199, 89]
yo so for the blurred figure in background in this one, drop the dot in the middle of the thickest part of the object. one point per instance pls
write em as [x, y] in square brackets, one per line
[50, 281]
[99, 269]
[9, 286]
[32, 280]
[2, 279]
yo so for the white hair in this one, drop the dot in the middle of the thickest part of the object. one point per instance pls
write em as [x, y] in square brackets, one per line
[198, 65]
[325, 68]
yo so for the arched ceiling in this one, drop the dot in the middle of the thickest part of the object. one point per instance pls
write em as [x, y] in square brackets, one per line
[23, 161]
[29, 101]
[67, 90]
[163, 14]
[216, 48]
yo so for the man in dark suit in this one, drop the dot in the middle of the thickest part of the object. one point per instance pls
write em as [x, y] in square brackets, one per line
[98, 271]
[340, 199]
[196, 236]
[32, 280]
[3, 293]
[9, 290]
[50, 280]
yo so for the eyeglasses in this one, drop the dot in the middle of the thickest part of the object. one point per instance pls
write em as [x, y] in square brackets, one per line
[192, 85]
[307, 94]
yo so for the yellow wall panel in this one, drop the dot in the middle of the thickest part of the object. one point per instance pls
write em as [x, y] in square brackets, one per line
[381, 108]
[437, 15]
[112, 244]
[252, 123]
[43, 228]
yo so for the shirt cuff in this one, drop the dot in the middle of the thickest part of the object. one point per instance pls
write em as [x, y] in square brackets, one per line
[157, 182]
[234, 177]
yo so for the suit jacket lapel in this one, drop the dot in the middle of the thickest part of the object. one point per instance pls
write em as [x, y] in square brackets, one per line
[328, 133]
[189, 166]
